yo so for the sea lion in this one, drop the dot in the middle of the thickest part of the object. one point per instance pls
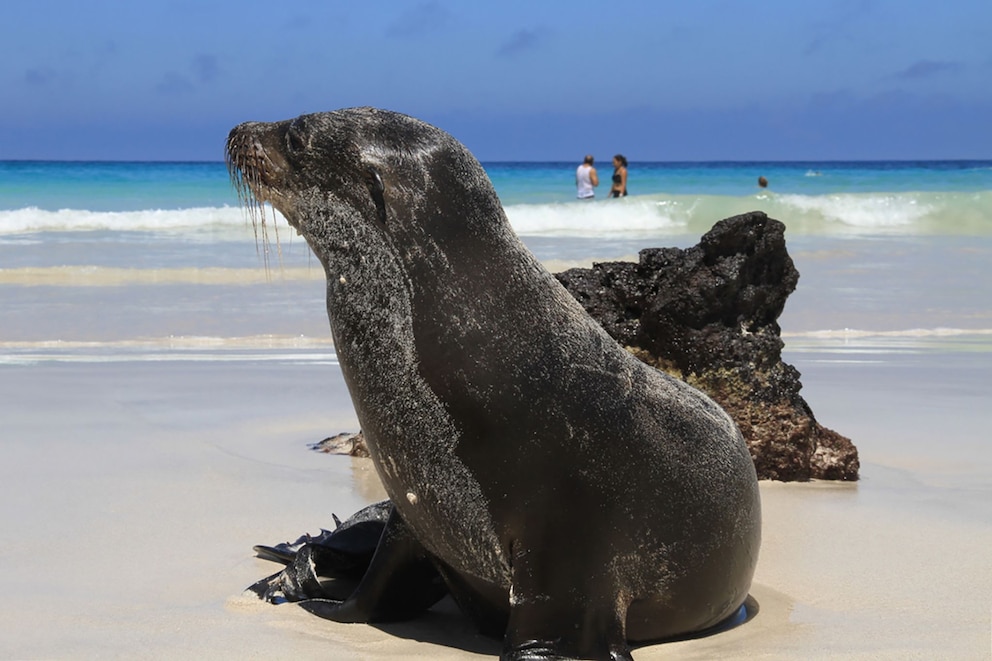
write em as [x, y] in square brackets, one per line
[572, 499]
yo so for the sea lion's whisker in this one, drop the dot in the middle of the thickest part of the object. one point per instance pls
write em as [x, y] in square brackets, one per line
[246, 163]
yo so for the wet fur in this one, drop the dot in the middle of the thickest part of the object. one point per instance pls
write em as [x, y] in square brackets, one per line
[566, 492]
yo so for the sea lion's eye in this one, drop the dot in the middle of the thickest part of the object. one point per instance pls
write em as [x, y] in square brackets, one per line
[377, 188]
[377, 185]
[294, 138]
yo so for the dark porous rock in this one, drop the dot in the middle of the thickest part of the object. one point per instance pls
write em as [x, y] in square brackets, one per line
[708, 315]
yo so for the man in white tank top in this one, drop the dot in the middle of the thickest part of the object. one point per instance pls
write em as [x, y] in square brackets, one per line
[586, 179]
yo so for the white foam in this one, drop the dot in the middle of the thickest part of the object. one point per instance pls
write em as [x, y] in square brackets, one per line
[869, 212]
[199, 219]
[851, 341]
[634, 216]
[624, 217]
[265, 348]
[853, 333]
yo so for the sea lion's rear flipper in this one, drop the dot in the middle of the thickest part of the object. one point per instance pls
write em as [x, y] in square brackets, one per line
[400, 583]
[298, 581]
[357, 537]
[369, 568]
[328, 565]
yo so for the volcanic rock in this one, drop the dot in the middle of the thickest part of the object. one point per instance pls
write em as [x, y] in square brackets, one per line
[709, 316]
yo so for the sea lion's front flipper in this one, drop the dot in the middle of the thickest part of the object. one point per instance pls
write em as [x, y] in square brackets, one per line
[400, 583]
[559, 612]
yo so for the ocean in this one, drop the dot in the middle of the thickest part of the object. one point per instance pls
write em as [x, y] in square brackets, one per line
[163, 370]
[156, 261]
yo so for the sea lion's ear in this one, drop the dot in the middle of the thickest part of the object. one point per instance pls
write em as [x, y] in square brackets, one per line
[377, 188]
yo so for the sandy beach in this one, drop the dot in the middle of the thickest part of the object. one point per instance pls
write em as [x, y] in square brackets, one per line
[134, 490]
[166, 361]
[159, 388]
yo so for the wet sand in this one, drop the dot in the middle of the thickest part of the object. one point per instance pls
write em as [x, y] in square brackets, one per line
[133, 491]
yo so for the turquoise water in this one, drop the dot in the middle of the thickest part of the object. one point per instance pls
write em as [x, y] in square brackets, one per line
[900, 251]
[667, 199]
[545, 182]
[108, 186]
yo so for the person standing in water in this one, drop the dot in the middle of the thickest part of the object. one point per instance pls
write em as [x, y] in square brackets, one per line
[762, 182]
[619, 188]
[586, 179]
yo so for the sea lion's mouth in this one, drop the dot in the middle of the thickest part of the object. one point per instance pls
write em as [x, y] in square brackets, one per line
[252, 170]
[256, 173]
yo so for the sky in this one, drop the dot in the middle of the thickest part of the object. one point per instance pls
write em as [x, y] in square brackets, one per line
[526, 80]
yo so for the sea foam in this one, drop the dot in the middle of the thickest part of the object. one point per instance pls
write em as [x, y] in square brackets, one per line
[953, 213]
[31, 220]
[911, 213]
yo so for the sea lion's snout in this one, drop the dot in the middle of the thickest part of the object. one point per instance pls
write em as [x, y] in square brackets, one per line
[258, 170]
[253, 167]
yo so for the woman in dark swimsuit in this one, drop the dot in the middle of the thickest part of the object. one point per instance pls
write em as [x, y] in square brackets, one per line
[619, 188]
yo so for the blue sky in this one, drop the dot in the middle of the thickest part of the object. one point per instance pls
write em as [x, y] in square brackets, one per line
[514, 80]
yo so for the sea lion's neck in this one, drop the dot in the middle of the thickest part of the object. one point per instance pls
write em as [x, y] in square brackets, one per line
[439, 305]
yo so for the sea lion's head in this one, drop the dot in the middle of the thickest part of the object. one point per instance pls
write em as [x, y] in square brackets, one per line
[337, 176]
